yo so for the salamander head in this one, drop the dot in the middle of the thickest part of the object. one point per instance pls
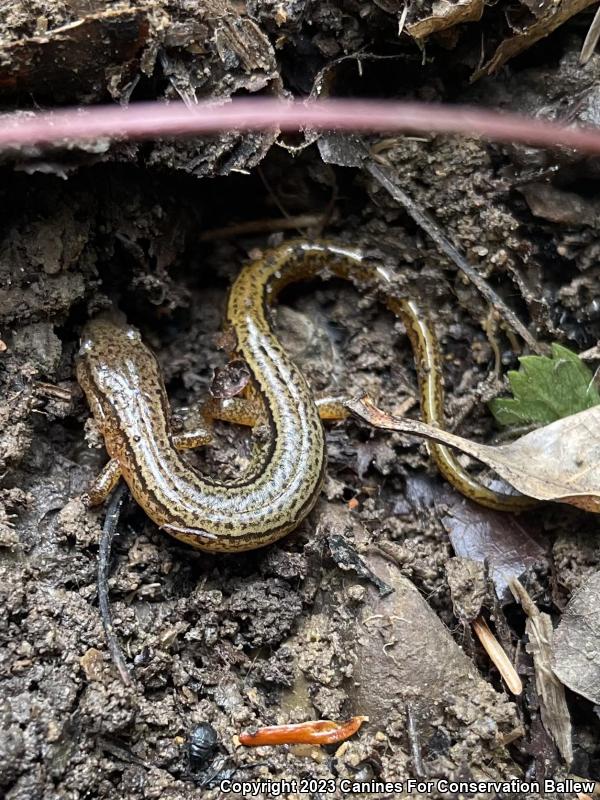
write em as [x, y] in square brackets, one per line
[113, 364]
[107, 330]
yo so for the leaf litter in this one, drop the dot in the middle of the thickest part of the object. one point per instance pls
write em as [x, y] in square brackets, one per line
[503, 542]
[576, 646]
[556, 462]
[553, 703]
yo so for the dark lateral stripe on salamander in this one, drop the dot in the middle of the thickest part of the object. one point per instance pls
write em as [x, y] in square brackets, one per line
[121, 377]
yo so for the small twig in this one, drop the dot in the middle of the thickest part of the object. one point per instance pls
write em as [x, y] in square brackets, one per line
[52, 390]
[266, 183]
[591, 40]
[386, 178]
[263, 226]
[330, 209]
[415, 743]
[497, 655]
[108, 532]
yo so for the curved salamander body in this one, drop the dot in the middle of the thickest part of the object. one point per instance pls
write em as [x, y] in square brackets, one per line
[123, 385]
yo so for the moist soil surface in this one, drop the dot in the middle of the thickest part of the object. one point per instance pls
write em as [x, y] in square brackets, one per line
[290, 632]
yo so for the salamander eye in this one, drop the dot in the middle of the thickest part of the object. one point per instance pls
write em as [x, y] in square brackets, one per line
[133, 334]
[85, 346]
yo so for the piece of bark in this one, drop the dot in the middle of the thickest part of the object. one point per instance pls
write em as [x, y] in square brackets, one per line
[553, 703]
[404, 654]
[553, 16]
[73, 61]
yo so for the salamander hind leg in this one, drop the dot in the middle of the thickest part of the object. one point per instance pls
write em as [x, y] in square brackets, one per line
[187, 440]
[248, 410]
[103, 484]
[332, 407]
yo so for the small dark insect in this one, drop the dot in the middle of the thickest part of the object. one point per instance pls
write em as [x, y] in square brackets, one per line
[202, 745]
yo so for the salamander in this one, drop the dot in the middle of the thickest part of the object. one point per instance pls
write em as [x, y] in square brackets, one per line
[125, 391]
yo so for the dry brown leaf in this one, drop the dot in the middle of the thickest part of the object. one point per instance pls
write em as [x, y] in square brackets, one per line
[445, 15]
[506, 544]
[395, 638]
[560, 461]
[576, 646]
[555, 15]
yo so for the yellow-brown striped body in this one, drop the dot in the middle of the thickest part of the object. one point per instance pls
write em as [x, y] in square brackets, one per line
[123, 385]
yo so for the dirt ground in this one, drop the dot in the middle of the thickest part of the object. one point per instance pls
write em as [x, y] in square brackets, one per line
[285, 633]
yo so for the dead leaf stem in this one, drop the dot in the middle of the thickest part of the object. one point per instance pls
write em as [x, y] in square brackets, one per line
[557, 462]
[387, 179]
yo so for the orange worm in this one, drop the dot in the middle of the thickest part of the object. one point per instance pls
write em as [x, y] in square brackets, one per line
[323, 731]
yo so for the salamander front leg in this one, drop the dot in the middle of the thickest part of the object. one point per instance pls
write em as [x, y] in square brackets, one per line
[187, 440]
[103, 484]
[249, 411]
[240, 410]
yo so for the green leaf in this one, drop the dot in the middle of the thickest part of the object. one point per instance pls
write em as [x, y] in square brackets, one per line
[546, 389]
